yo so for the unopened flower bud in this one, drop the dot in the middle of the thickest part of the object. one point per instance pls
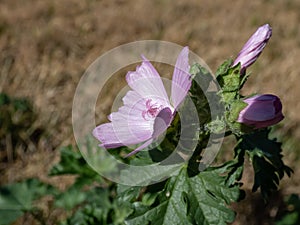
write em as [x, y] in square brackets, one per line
[261, 111]
[253, 47]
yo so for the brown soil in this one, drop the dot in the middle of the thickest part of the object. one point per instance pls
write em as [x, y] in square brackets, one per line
[47, 45]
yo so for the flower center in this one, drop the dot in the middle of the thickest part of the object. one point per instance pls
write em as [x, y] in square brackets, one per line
[152, 109]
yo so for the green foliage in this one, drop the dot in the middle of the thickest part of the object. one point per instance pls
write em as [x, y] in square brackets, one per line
[183, 199]
[224, 68]
[70, 198]
[94, 199]
[231, 117]
[235, 109]
[72, 162]
[198, 92]
[235, 167]
[201, 199]
[180, 200]
[230, 81]
[98, 208]
[188, 196]
[18, 198]
[266, 157]
[91, 204]
[291, 215]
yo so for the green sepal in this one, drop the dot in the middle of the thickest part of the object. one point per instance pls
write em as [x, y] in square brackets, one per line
[229, 77]
[235, 108]
[224, 67]
[232, 115]
[230, 81]
[216, 126]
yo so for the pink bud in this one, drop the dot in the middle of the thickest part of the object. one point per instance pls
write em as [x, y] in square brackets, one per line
[253, 47]
[261, 111]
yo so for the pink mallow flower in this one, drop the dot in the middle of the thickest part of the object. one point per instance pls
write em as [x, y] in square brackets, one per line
[262, 111]
[254, 46]
[147, 110]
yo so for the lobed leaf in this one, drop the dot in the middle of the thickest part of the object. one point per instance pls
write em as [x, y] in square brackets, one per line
[202, 199]
[266, 157]
[17, 198]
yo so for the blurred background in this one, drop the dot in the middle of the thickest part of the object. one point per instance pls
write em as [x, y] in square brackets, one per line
[47, 45]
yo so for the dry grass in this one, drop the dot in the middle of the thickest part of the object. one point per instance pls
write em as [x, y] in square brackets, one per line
[47, 45]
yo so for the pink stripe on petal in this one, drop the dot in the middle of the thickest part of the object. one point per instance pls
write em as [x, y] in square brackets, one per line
[181, 81]
[107, 136]
[131, 98]
[146, 112]
[162, 121]
[131, 126]
[147, 82]
[128, 125]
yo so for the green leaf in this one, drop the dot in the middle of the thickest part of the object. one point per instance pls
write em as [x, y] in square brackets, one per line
[235, 167]
[95, 211]
[201, 199]
[100, 207]
[171, 210]
[97, 158]
[17, 198]
[149, 174]
[72, 162]
[4, 99]
[70, 198]
[127, 193]
[266, 157]
[212, 198]
[22, 104]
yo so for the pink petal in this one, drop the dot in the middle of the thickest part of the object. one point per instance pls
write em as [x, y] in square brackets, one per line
[128, 125]
[261, 111]
[181, 81]
[254, 46]
[269, 122]
[162, 122]
[260, 108]
[105, 133]
[129, 100]
[147, 83]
